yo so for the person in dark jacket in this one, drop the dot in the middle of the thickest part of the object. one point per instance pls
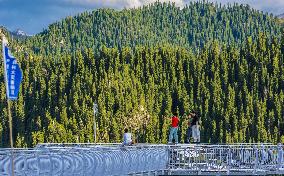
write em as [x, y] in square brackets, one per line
[189, 129]
[195, 127]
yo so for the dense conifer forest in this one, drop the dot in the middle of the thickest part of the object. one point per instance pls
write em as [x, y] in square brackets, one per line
[141, 65]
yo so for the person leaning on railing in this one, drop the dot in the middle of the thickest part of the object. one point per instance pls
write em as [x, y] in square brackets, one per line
[127, 138]
[195, 127]
[189, 129]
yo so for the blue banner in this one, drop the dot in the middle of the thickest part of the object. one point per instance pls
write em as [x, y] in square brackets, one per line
[13, 74]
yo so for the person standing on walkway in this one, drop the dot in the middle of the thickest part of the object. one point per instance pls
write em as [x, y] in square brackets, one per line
[174, 129]
[189, 129]
[195, 127]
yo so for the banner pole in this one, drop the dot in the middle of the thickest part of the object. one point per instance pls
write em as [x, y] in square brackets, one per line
[11, 135]
[9, 109]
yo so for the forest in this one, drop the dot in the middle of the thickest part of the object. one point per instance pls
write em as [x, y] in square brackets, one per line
[140, 66]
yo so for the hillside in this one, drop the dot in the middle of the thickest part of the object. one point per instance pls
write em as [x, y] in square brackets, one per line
[194, 26]
[140, 65]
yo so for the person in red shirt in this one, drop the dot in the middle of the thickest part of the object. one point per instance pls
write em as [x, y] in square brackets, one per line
[174, 129]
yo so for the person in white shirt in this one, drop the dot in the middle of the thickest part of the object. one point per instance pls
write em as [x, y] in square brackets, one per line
[127, 138]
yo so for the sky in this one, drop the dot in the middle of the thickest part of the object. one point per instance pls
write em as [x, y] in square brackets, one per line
[32, 16]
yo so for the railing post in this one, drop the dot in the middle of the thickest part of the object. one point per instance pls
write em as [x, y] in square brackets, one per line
[189, 158]
[146, 159]
[195, 160]
[229, 158]
[51, 164]
[256, 159]
[263, 158]
[204, 149]
[38, 163]
[184, 159]
[280, 157]
[12, 162]
[25, 162]
[169, 159]
[199, 161]
[62, 162]
[84, 159]
[179, 157]
[220, 155]
[151, 159]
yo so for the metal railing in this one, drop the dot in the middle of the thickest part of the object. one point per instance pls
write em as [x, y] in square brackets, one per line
[226, 159]
[113, 159]
[85, 145]
[66, 161]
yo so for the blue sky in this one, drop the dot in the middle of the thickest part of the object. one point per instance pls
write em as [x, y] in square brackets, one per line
[33, 16]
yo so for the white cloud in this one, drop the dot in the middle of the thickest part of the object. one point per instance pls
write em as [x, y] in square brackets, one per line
[119, 3]
[272, 6]
[137, 3]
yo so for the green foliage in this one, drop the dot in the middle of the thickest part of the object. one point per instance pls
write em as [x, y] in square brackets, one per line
[282, 139]
[37, 137]
[140, 65]
[20, 142]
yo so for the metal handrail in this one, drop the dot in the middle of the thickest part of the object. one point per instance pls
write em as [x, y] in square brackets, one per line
[115, 159]
[227, 159]
[101, 160]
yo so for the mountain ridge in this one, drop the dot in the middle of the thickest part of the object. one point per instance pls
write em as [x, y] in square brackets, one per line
[158, 23]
